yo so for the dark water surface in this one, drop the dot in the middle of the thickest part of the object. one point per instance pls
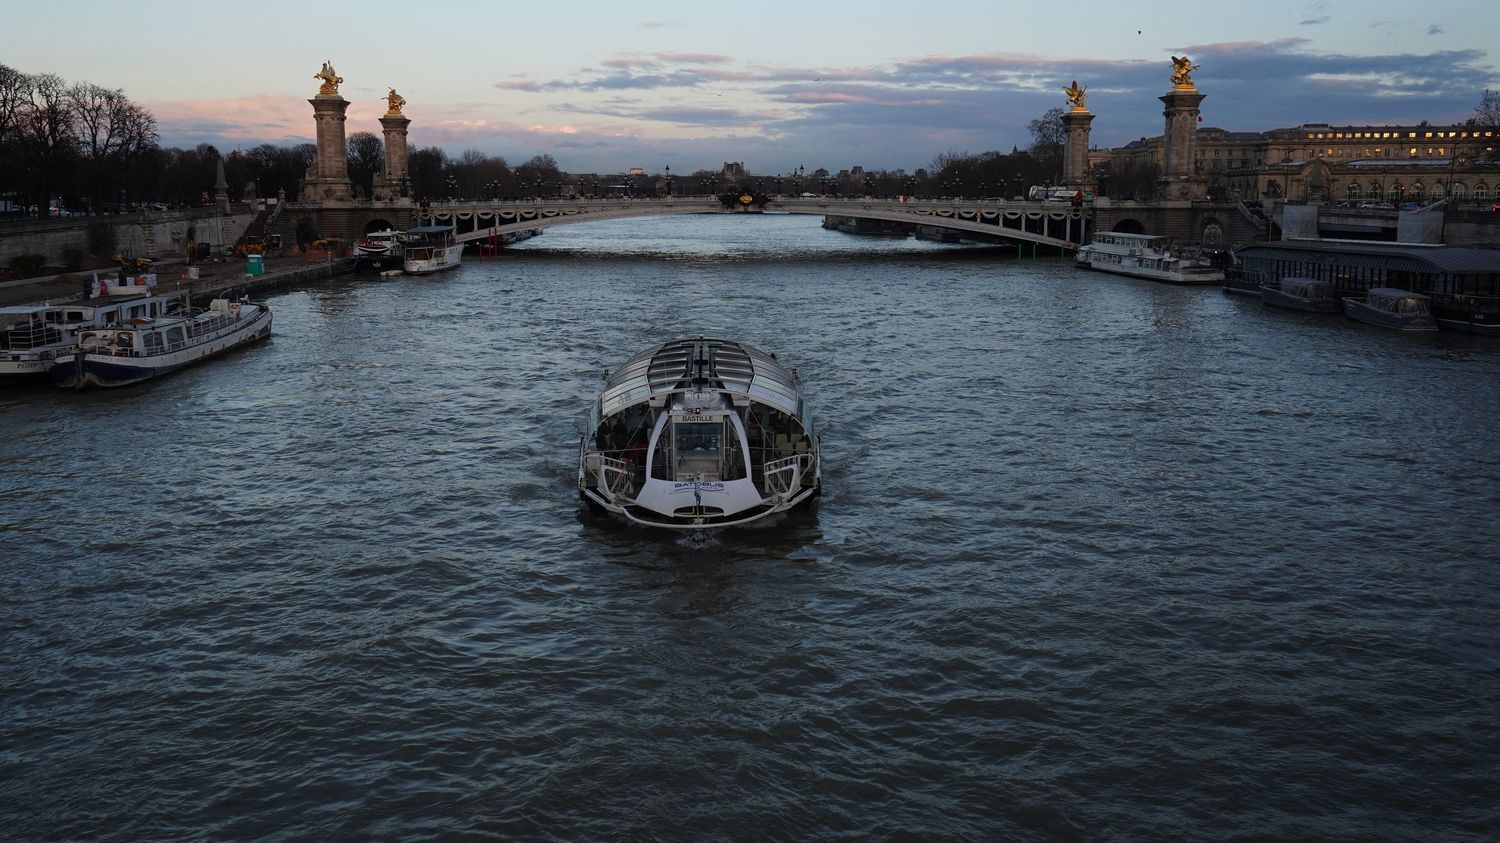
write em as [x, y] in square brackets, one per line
[1097, 559]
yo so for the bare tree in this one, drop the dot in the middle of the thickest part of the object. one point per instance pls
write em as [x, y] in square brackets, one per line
[48, 134]
[366, 158]
[1048, 137]
[1487, 113]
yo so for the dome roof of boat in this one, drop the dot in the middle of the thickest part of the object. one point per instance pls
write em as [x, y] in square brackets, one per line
[684, 365]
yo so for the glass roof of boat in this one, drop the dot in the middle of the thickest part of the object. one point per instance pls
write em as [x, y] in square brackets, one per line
[725, 365]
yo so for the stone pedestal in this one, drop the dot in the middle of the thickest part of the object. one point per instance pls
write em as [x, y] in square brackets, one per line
[1179, 173]
[328, 177]
[397, 183]
[1076, 151]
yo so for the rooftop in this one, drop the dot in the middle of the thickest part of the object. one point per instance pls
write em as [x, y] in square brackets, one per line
[678, 365]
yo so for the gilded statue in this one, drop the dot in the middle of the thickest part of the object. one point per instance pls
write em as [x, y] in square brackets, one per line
[330, 79]
[393, 102]
[1182, 69]
[1075, 95]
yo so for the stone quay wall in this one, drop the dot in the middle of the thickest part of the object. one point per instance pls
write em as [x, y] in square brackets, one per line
[149, 235]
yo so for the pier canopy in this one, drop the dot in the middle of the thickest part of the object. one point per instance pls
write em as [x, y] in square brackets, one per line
[1353, 264]
[701, 365]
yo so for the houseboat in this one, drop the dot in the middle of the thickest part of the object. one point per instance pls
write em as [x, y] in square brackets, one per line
[699, 433]
[32, 337]
[1462, 284]
[142, 347]
[1147, 256]
[430, 249]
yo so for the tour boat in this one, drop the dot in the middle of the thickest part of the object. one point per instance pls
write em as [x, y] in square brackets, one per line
[699, 433]
[430, 249]
[380, 250]
[143, 347]
[1146, 256]
[1310, 294]
[33, 337]
[1392, 308]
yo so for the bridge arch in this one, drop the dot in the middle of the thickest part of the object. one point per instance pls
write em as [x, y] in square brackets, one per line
[1129, 225]
[378, 224]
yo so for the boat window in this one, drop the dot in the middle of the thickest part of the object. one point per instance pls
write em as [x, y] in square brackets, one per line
[699, 437]
[174, 336]
[153, 342]
[698, 453]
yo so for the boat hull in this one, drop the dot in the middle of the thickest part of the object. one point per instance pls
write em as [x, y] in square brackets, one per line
[24, 370]
[1182, 277]
[1358, 310]
[85, 369]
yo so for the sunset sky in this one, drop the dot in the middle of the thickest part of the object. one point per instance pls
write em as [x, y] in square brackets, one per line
[605, 86]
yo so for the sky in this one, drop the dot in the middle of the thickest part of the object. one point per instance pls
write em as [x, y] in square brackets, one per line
[603, 86]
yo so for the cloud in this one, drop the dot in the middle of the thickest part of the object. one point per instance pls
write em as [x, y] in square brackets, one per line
[1436, 29]
[1314, 21]
[893, 114]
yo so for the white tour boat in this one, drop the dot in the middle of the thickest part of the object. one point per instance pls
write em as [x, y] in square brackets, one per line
[1146, 256]
[699, 433]
[380, 250]
[141, 348]
[430, 249]
[32, 337]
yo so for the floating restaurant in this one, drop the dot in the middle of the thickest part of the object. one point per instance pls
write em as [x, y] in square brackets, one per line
[1462, 283]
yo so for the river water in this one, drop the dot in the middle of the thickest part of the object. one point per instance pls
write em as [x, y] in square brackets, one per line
[1097, 558]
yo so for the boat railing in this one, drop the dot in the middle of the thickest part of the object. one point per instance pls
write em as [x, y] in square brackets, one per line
[784, 476]
[616, 475]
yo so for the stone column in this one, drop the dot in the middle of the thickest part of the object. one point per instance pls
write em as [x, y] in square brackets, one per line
[329, 178]
[1076, 152]
[394, 126]
[221, 189]
[1179, 176]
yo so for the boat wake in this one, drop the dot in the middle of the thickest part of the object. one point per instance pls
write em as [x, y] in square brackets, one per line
[697, 539]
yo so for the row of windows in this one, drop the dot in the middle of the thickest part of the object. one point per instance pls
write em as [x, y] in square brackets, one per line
[1394, 135]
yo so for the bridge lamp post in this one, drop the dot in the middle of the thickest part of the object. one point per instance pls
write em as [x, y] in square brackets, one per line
[452, 187]
[669, 179]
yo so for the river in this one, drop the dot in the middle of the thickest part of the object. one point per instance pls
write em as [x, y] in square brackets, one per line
[1096, 558]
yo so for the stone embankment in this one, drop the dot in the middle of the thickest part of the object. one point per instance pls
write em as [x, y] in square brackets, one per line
[214, 278]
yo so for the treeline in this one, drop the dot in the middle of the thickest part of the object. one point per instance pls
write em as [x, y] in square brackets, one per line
[58, 139]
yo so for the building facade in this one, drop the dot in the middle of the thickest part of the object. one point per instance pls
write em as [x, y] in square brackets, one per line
[1318, 161]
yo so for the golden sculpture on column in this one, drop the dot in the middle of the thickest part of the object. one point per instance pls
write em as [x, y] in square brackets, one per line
[330, 79]
[1182, 70]
[1076, 95]
[393, 102]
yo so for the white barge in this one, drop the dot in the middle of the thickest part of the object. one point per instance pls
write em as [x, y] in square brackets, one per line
[699, 433]
[1146, 256]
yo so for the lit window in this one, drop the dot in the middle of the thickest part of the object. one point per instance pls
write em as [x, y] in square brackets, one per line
[1414, 152]
[1427, 135]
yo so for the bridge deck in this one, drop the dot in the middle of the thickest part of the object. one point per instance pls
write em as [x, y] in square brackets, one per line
[1026, 222]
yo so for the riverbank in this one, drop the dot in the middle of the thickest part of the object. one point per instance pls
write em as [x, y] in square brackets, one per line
[213, 277]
